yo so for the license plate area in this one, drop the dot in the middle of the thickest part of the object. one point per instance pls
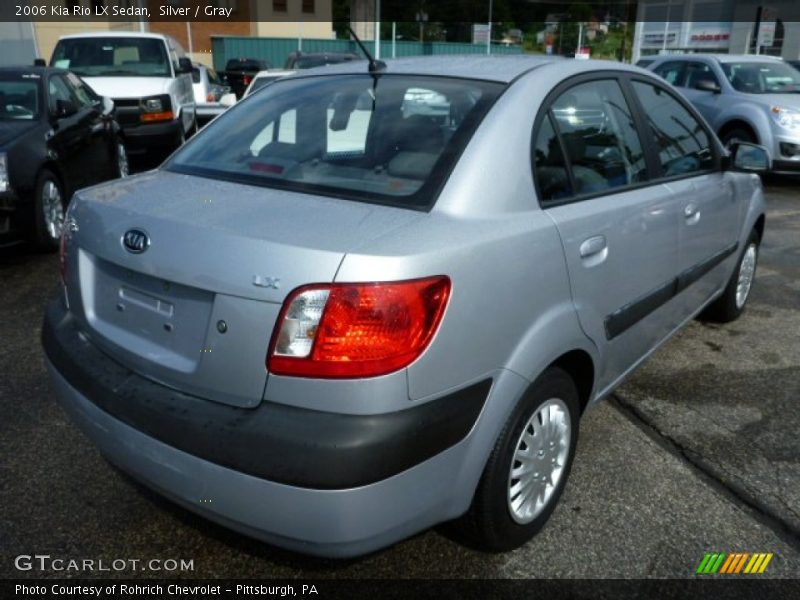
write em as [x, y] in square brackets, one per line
[154, 319]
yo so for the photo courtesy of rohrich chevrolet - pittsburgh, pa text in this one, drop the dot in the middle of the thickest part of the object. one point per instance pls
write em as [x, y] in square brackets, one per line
[399, 299]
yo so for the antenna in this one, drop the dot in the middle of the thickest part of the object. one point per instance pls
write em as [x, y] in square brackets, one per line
[375, 66]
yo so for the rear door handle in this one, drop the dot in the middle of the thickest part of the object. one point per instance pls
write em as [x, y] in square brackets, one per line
[594, 245]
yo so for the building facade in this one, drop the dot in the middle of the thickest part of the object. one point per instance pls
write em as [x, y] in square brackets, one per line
[262, 18]
[718, 26]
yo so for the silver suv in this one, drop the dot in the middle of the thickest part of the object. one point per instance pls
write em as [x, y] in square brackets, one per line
[339, 316]
[744, 97]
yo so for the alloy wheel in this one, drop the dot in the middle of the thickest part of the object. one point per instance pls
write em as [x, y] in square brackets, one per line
[747, 270]
[539, 459]
[53, 209]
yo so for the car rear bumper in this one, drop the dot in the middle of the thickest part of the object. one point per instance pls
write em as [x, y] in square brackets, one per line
[207, 112]
[327, 520]
[786, 166]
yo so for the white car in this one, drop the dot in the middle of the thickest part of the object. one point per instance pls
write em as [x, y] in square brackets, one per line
[147, 75]
[262, 78]
[209, 91]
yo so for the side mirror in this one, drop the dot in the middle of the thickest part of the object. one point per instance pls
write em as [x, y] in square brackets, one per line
[65, 108]
[228, 100]
[184, 65]
[708, 85]
[749, 158]
[108, 105]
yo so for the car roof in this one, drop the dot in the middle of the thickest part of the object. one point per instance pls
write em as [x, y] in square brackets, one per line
[723, 58]
[501, 68]
[113, 34]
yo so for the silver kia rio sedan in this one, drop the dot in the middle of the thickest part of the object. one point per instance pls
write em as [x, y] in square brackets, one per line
[367, 300]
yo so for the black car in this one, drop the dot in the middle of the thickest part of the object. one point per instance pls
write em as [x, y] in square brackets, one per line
[239, 72]
[309, 60]
[56, 136]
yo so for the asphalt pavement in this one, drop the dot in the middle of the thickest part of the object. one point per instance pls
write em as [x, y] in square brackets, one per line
[696, 453]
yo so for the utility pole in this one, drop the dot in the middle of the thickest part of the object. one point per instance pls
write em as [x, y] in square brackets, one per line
[377, 29]
[489, 32]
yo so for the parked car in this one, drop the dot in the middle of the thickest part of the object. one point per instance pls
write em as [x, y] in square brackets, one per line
[643, 62]
[370, 323]
[744, 98]
[309, 60]
[146, 74]
[56, 135]
[794, 63]
[208, 92]
[262, 78]
[239, 72]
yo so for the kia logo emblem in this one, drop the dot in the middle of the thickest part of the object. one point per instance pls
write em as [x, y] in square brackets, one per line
[135, 241]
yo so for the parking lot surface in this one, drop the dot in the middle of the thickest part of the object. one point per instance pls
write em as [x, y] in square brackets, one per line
[696, 453]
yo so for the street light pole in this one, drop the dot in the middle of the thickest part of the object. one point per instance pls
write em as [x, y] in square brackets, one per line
[489, 31]
[377, 29]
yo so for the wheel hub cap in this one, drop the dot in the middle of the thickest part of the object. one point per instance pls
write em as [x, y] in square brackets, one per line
[538, 462]
[122, 161]
[746, 272]
[53, 209]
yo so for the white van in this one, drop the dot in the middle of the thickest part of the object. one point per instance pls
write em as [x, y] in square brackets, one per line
[147, 75]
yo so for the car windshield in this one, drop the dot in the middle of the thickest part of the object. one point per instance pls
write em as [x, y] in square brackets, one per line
[19, 98]
[391, 140]
[762, 77]
[113, 57]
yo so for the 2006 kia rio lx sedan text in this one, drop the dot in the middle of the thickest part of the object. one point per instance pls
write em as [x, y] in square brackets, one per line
[361, 303]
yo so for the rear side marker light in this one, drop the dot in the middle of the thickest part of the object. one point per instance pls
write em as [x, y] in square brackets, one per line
[349, 330]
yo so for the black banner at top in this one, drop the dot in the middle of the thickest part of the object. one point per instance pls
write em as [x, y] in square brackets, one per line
[439, 11]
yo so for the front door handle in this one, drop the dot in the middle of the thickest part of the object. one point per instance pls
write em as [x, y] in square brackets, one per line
[592, 246]
[691, 213]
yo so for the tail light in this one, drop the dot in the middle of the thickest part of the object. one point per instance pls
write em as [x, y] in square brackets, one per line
[211, 97]
[247, 79]
[347, 330]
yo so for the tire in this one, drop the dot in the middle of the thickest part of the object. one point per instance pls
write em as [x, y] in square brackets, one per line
[737, 135]
[731, 304]
[498, 520]
[49, 207]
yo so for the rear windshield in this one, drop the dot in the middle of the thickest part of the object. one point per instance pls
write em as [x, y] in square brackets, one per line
[762, 77]
[19, 97]
[113, 57]
[391, 140]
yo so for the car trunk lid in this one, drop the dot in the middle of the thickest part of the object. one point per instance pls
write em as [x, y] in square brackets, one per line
[195, 308]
